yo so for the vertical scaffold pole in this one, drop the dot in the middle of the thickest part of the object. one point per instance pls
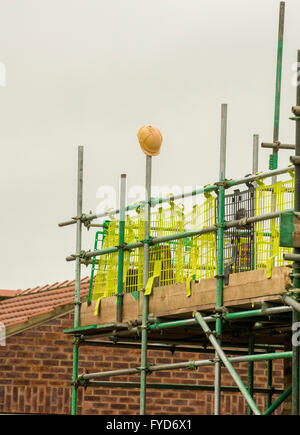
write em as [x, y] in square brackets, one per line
[220, 266]
[250, 370]
[145, 300]
[253, 193]
[278, 88]
[255, 154]
[121, 243]
[77, 277]
[269, 382]
[296, 281]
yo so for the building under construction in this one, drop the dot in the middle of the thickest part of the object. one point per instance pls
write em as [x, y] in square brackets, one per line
[223, 276]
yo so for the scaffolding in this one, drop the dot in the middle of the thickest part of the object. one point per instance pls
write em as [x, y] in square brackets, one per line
[253, 247]
[168, 247]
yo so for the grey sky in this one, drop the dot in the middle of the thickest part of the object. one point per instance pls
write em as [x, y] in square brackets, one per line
[92, 72]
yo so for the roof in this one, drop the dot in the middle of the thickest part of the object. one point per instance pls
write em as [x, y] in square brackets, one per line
[36, 305]
[9, 293]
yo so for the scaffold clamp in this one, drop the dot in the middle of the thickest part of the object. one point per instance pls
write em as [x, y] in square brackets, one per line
[192, 365]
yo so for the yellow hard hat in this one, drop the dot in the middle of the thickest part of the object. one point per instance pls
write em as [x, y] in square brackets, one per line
[150, 139]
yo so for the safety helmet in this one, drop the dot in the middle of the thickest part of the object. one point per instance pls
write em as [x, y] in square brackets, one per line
[150, 139]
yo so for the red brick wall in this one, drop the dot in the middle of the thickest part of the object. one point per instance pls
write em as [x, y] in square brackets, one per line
[36, 370]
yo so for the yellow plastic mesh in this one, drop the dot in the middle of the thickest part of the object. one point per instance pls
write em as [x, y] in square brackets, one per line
[107, 273]
[200, 252]
[271, 198]
[173, 261]
[190, 258]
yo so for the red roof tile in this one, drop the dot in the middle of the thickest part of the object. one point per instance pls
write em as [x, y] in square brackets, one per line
[25, 305]
[9, 293]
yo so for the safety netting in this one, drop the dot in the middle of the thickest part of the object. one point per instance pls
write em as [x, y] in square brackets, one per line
[249, 247]
[169, 262]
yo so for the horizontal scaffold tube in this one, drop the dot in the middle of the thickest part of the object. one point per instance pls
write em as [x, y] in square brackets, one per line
[160, 386]
[260, 176]
[133, 331]
[291, 257]
[227, 316]
[253, 219]
[156, 201]
[192, 322]
[291, 302]
[155, 240]
[183, 235]
[157, 346]
[153, 203]
[187, 364]
[278, 145]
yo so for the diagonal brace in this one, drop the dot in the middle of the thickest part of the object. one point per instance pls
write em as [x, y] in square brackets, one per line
[227, 363]
[279, 401]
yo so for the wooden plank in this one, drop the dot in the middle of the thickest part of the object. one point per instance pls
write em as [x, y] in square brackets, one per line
[244, 289]
[246, 286]
[107, 312]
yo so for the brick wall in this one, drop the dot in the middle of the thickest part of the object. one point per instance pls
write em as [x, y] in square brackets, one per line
[36, 369]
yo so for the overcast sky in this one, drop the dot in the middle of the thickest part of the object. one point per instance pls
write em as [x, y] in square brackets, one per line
[92, 72]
